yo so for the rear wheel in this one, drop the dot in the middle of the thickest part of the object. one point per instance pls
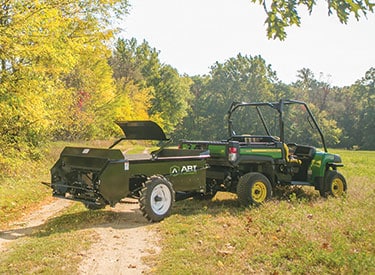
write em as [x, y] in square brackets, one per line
[334, 184]
[253, 189]
[156, 199]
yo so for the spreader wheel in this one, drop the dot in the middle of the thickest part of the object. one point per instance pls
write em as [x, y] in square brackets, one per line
[334, 184]
[253, 189]
[157, 199]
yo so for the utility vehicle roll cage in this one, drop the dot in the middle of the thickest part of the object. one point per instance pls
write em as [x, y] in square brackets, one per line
[279, 107]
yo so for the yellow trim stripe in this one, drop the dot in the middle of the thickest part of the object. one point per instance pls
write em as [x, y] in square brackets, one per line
[265, 150]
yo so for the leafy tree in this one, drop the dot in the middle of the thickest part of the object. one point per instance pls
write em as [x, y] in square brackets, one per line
[345, 109]
[43, 44]
[133, 62]
[364, 90]
[282, 14]
[190, 126]
[131, 101]
[321, 99]
[172, 94]
[91, 93]
[168, 91]
[243, 78]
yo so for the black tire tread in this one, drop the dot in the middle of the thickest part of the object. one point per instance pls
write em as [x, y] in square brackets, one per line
[325, 191]
[244, 188]
[144, 202]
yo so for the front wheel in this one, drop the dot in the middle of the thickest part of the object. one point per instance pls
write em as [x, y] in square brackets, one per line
[334, 184]
[253, 189]
[156, 199]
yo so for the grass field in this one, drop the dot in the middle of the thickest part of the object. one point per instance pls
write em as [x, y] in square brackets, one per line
[296, 232]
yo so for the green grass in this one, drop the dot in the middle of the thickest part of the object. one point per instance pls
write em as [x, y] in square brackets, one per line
[21, 190]
[295, 233]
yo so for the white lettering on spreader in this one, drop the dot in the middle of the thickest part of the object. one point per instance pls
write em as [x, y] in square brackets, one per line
[184, 169]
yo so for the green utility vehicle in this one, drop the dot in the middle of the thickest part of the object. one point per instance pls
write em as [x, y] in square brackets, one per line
[99, 177]
[253, 163]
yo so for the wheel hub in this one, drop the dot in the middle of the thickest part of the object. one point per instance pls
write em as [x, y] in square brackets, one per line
[337, 187]
[160, 199]
[259, 192]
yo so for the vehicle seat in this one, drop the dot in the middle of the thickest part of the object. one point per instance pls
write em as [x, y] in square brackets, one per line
[290, 158]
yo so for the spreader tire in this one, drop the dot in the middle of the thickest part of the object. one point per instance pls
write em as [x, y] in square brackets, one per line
[157, 199]
[253, 189]
[334, 184]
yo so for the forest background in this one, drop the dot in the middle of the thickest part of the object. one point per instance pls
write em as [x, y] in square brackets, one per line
[64, 75]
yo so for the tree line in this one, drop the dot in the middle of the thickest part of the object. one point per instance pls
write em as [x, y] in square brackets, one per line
[345, 114]
[64, 77]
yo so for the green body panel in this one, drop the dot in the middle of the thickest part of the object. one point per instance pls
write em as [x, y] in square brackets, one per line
[319, 163]
[275, 153]
[217, 150]
[316, 165]
[184, 174]
[114, 182]
[88, 158]
[83, 173]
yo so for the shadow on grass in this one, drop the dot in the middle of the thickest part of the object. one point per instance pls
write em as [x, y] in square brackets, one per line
[228, 202]
[80, 220]
[295, 193]
[131, 217]
[213, 207]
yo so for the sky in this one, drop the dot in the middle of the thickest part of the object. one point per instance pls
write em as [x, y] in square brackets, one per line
[191, 35]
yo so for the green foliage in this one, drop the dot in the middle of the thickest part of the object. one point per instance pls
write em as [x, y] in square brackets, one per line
[165, 92]
[53, 71]
[364, 91]
[90, 90]
[20, 184]
[132, 64]
[345, 115]
[59, 80]
[282, 14]
[172, 95]
[339, 111]
[243, 78]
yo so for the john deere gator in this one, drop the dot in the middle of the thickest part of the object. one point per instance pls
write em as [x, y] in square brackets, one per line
[257, 156]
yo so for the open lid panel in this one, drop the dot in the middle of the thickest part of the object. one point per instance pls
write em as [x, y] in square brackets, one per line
[142, 130]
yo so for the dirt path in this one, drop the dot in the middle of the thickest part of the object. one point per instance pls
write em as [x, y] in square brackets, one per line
[122, 244]
[29, 223]
[119, 248]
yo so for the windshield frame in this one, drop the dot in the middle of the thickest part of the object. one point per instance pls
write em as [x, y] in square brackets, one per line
[279, 107]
